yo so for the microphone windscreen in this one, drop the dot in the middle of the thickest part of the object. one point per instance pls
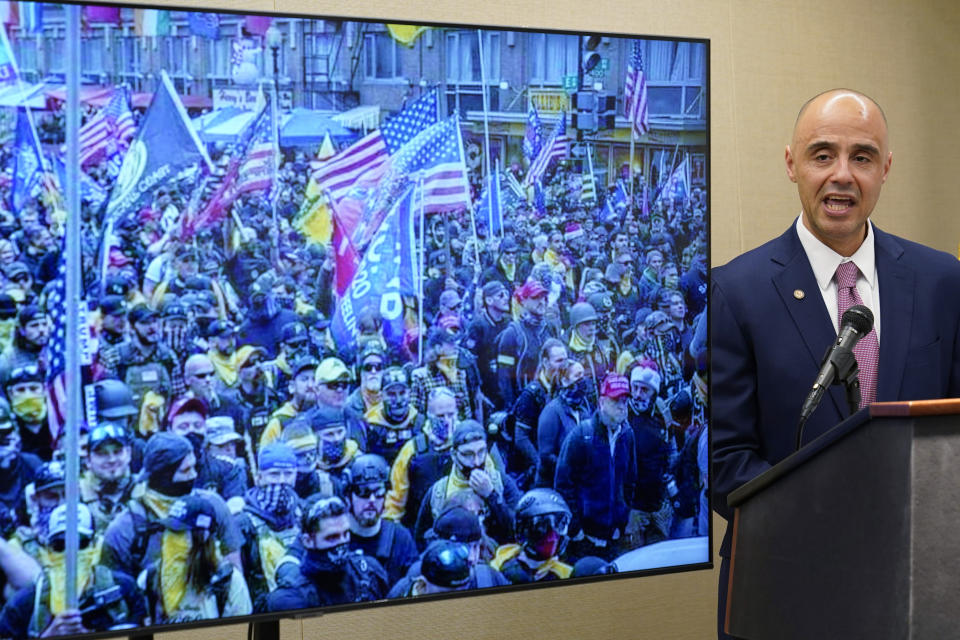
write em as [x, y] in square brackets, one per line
[859, 317]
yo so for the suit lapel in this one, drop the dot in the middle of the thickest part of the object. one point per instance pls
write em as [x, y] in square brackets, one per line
[808, 313]
[896, 312]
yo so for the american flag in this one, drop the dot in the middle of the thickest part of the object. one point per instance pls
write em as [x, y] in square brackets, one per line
[635, 92]
[533, 136]
[108, 133]
[555, 148]
[438, 153]
[256, 170]
[363, 162]
[56, 349]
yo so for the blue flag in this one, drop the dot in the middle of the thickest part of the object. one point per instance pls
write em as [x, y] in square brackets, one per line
[386, 273]
[166, 146]
[533, 137]
[491, 205]
[27, 163]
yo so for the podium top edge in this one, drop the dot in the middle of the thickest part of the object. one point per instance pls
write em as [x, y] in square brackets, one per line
[945, 406]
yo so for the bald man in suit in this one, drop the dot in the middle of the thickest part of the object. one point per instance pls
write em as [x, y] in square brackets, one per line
[774, 310]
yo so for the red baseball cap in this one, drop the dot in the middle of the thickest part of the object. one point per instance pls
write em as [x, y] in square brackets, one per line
[531, 289]
[615, 386]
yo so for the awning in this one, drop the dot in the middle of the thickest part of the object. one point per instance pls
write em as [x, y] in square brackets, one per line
[89, 94]
[304, 127]
[143, 100]
[365, 118]
[225, 125]
[24, 95]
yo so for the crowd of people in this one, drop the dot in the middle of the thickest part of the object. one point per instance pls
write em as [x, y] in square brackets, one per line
[548, 419]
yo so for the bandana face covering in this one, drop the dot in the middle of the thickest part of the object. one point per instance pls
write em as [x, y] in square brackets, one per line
[30, 407]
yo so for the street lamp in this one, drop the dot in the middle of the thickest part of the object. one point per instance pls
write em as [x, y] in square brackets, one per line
[274, 40]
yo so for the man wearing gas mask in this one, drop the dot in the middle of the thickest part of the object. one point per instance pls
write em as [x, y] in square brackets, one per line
[270, 521]
[542, 521]
[329, 573]
[265, 318]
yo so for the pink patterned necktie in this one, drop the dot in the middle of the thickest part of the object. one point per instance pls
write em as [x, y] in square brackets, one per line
[867, 350]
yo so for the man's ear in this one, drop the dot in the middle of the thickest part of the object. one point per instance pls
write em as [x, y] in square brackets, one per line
[788, 159]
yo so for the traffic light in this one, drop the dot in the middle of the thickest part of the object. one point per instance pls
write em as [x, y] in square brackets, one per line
[584, 111]
[591, 58]
[606, 112]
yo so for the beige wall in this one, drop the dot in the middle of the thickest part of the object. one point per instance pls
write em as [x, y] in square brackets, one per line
[767, 57]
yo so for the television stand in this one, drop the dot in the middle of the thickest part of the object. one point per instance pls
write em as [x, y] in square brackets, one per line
[267, 630]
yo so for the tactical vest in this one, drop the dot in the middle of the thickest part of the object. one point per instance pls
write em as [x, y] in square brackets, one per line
[42, 615]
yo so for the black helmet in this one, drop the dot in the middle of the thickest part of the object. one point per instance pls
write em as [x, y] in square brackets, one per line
[368, 468]
[114, 400]
[446, 564]
[542, 520]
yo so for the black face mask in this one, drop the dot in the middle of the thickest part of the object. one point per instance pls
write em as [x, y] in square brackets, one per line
[171, 488]
[326, 561]
[576, 394]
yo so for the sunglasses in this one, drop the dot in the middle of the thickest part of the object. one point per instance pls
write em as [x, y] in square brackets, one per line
[336, 385]
[370, 492]
[203, 375]
[370, 367]
[59, 544]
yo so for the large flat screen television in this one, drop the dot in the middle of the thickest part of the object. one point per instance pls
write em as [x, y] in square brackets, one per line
[367, 312]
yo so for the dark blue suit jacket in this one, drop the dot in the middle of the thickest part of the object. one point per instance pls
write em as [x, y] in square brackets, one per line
[767, 344]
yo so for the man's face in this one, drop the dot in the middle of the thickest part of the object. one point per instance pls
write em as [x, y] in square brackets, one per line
[304, 386]
[186, 266]
[678, 308]
[188, 422]
[187, 470]
[588, 330]
[333, 532]
[366, 503]
[109, 461]
[396, 401]
[471, 455]
[500, 301]
[226, 450]
[557, 356]
[556, 241]
[536, 306]
[278, 476]
[148, 330]
[115, 323]
[250, 369]
[642, 394]
[615, 409]
[371, 372]
[670, 277]
[620, 243]
[202, 379]
[444, 409]
[839, 160]
[655, 260]
[333, 393]
[37, 330]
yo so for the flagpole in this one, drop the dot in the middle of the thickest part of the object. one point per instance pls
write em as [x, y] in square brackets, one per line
[423, 251]
[486, 107]
[72, 302]
[633, 139]
[275, 129]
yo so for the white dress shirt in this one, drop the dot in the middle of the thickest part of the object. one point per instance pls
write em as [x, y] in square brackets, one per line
[825, 261]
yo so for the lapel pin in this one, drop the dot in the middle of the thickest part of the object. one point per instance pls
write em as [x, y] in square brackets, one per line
[798, 294]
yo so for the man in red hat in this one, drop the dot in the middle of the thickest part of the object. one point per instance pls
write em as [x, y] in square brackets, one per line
[518, 348]
[597, 474]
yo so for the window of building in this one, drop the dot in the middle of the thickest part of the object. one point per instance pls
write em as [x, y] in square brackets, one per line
[676, 78]
[552, 57]
[381, 57]
[463, 57]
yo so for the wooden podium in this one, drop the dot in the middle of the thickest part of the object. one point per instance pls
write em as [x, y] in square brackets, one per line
[857, 535]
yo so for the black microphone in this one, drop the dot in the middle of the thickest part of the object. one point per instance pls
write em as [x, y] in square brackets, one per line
[856, 322]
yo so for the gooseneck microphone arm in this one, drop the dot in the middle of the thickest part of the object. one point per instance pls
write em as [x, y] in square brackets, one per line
[839, 364]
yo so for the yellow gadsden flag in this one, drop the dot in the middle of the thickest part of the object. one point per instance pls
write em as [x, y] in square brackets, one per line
[406, 34]
[314, 219]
